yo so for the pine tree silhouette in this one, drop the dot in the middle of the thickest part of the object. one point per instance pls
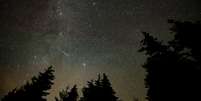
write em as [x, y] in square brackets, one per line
[135, 99]
[35, 90]
[99, 90]
[67, 95]
[107, 89]
[173, 69]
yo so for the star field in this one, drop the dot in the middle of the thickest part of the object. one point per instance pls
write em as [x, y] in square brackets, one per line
[82, 38]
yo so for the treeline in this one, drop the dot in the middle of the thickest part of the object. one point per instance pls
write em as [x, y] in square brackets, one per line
[173, 72]
[37, 90]
[174, 67]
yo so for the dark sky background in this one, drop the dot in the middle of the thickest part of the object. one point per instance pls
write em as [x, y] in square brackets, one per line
[82, 38]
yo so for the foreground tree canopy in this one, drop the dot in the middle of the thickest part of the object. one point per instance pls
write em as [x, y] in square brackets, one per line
[37, 90]
[99, 90]
[173, 72]
[66, 95]
[174, 68]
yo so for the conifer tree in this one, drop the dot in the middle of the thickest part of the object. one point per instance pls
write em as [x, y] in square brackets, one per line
[36, 90]
[99, 90]
[67, 95]
[174, 69]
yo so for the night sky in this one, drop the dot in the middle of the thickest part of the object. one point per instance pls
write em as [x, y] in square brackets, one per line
[82, 38]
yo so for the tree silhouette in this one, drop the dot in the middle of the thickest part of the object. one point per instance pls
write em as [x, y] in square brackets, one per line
[99, 90]
[135, 99]
[66, 95]
[174, 69]
[35, 90]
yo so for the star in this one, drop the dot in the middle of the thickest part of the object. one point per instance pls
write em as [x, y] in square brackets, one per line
[93, 3]
[35, 57]
[61, 34]
[84, 64]
[60, 13]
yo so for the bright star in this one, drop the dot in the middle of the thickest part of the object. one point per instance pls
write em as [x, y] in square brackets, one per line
[84, 64]
[93, 3]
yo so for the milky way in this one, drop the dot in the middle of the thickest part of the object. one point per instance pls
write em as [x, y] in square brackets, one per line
[82, 38]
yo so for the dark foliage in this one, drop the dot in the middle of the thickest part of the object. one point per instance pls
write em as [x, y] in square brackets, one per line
[36, 90]
[174, 69]
[99, 90]
[66, 95]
